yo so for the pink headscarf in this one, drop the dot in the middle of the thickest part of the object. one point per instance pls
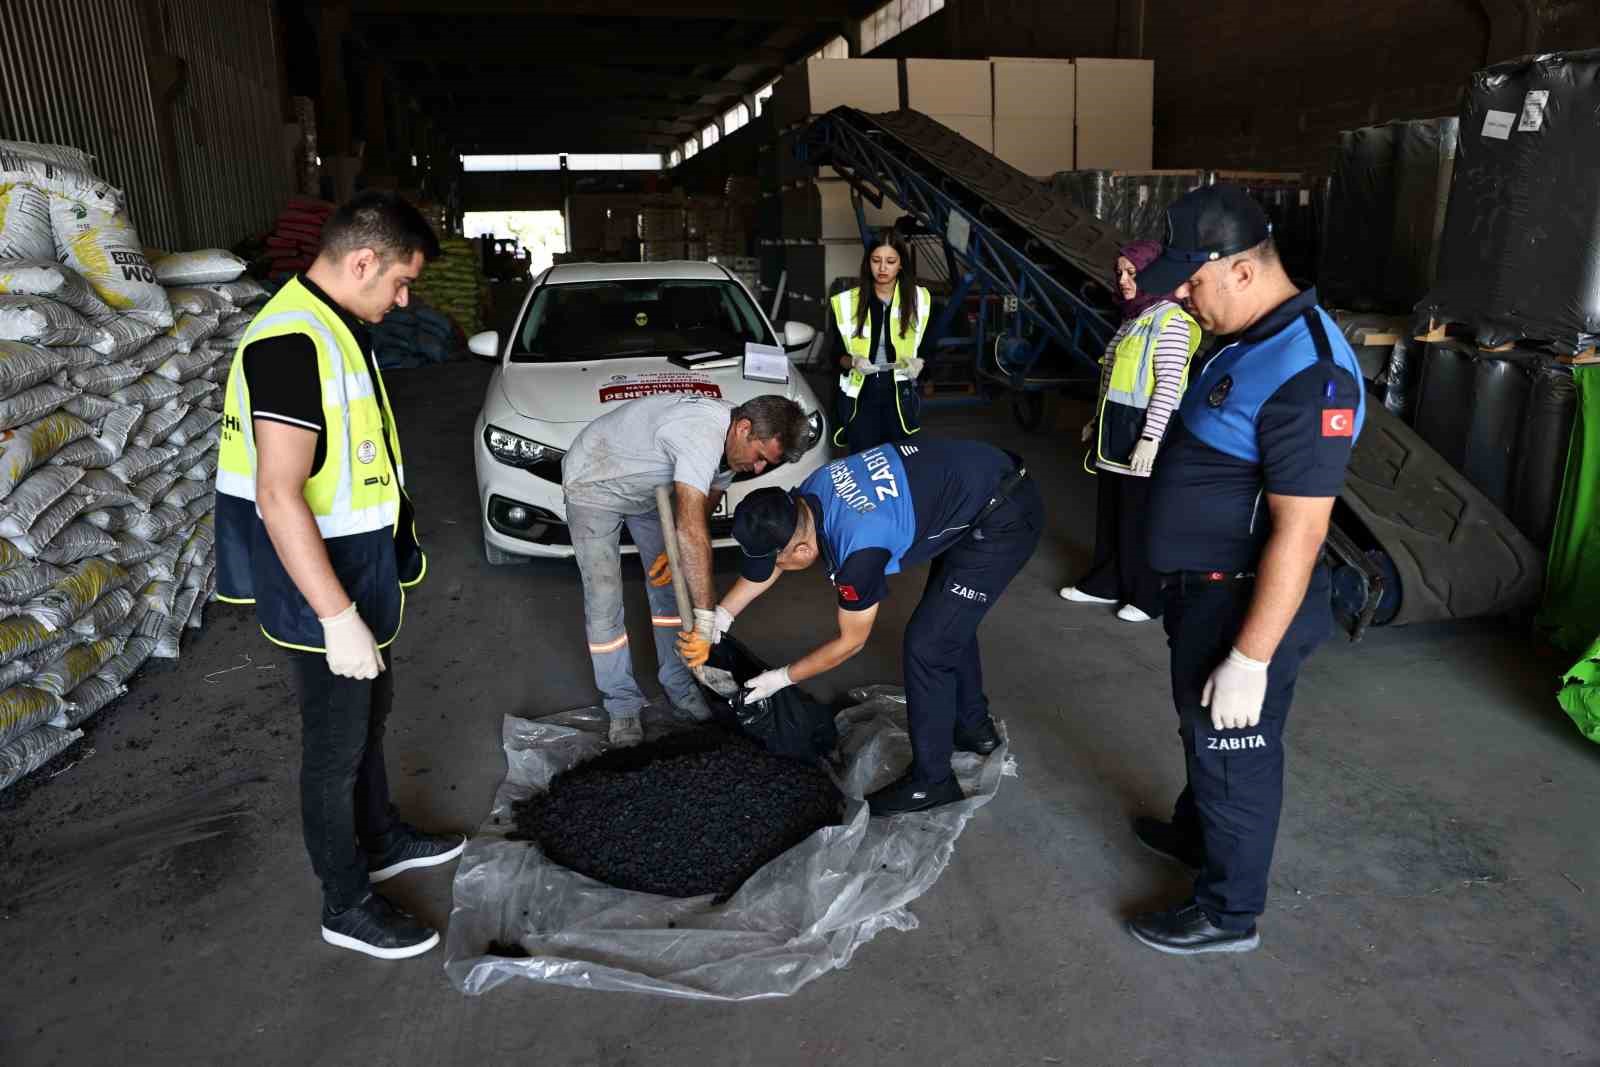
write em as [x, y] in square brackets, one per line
[1141, 254]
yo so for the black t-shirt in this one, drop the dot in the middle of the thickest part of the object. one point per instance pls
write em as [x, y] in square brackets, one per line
[949, 482]
[285, 382]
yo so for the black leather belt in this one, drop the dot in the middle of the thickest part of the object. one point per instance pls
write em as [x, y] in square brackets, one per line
[1201, 579]
[1003, 491]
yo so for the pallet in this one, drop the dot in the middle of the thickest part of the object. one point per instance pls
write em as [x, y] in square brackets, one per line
[1438, 332]
[1586, 358]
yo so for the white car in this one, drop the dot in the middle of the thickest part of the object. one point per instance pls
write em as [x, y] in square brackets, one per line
[591, 336]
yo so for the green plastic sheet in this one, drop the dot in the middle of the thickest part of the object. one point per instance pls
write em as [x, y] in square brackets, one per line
[1580, 693]
[1571, 610]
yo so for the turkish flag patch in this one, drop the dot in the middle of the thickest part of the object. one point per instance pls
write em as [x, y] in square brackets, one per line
[1339, 422]
[848, 592]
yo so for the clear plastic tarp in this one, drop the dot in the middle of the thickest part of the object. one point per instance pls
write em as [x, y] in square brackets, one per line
[802, 915]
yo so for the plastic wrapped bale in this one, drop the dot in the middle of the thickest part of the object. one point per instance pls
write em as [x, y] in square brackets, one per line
[22, 756]
[1141, 201]
[517, 915]
[1402, 378]
[1542, 453]
[1500, 388]
[1360, 220]
[1095, 191]
[1518, 258]
[1424, 163]
[1444, 402]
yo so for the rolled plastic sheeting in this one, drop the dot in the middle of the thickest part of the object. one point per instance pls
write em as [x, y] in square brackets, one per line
[1519, 257]
[1456, 555]
[1424, 162]
[1444, 399]
[1542, 452]
[1360, 219]
[1403, 378]
[1500, 387]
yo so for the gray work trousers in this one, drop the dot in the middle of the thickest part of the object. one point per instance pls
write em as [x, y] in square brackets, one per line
[597, 542]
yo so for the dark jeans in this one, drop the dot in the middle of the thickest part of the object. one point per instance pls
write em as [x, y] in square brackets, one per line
[1234, 794]
[1121, 568]
[944, 678]
[344, 789]
[876, 419]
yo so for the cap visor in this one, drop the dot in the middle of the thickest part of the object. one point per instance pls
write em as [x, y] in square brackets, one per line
[757, 568]
[1165, 275]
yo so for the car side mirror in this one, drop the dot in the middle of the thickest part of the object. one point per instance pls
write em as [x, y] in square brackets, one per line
[485, 345]
[797, 334]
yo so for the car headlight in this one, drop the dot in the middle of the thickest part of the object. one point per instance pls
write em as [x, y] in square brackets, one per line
[817, 424]
[517, 451]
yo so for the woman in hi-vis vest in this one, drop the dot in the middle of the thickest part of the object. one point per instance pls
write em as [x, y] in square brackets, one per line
[1142, 376]
[881, 322]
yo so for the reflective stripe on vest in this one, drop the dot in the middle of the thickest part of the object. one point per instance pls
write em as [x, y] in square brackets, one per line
[1133, 382]
[905, 347]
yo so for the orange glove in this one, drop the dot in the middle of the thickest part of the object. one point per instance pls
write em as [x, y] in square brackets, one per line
[694, 646]
[661, 571]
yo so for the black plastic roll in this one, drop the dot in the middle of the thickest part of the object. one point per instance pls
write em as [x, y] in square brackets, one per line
[1444, 400]
[1542, 456]
[1501, 383]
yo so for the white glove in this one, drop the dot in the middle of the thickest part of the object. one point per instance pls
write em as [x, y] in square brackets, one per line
[1234, 692]
[352, 651]
[862, 364]
[722, 622]
[1144, 456]
[1088, 432]
[914, 365]
[705, 624]
[764, 685]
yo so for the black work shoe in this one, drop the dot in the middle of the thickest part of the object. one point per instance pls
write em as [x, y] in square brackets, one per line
[414, 849]
[1163, 839]
[983, 739]
[904, 794]
[1187, 930]
[378, 928]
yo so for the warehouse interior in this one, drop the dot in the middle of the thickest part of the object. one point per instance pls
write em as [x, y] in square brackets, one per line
[1429, 166]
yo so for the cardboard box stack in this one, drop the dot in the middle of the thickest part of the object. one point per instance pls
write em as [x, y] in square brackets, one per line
[1035, 107]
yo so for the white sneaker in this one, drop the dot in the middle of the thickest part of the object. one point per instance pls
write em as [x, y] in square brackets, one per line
[1129, 613]
[1078, 596]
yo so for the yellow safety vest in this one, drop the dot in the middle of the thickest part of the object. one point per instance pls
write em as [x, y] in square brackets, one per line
[355, 496]
[904, 347]
[1133, 381]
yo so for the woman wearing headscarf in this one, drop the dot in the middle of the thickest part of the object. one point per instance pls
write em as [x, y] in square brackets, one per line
[881, 322]
[1142, 375]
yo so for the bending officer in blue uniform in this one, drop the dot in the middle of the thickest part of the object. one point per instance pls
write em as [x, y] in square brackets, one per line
[967, 506]
[1239, 509]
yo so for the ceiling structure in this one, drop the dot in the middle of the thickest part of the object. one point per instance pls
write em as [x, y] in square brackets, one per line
[534, 76]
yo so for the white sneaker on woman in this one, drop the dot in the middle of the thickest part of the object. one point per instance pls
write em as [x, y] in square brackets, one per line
[1129, 613]
[1078, 596]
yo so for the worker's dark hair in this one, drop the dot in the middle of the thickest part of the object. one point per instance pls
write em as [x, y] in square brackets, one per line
[907, 281]
[382, 221]
[773, 416]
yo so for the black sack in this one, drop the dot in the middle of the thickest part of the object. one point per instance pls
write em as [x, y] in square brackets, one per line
[789, 723]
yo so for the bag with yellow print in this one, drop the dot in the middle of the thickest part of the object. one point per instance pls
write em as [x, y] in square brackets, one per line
[97, 239]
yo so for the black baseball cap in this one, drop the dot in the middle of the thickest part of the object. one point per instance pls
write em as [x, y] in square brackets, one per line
[1205, 224]
[763, 523]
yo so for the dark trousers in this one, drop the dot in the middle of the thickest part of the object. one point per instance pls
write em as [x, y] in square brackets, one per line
[1234, 793]
[344, 789]
[873, 418]
[944, 678]
[1121, 568]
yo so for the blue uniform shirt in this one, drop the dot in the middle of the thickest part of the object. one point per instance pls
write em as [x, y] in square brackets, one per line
[897, 506]
[1276, 411]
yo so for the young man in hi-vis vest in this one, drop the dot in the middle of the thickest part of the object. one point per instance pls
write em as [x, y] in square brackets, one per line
[314, 528]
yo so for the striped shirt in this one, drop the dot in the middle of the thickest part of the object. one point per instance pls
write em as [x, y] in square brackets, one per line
[1171, 355]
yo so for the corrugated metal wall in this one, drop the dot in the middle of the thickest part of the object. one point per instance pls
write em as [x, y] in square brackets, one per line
[74, 72]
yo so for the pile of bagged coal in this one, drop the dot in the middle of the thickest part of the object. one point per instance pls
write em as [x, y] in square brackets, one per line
[695, 812]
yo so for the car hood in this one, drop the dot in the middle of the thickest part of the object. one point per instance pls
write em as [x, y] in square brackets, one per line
[581, 392]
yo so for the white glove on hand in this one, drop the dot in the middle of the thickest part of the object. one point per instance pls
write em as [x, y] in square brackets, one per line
[1234, 692]
[1088, 432]
[1144, 456]
[862, 364]
[914, 365]
[352, 650]
[722, 622]
[764, 685]
[705, 624]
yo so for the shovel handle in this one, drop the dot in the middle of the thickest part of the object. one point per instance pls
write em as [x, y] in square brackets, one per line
[669, 534]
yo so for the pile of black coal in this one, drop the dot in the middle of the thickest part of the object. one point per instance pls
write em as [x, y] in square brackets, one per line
[696, 812]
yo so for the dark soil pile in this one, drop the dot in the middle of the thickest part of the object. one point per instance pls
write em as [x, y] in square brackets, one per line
[695, 812]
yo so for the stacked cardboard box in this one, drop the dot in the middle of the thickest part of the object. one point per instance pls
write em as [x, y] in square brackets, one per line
[1035, 107]
[1115, 104]
[958, 93]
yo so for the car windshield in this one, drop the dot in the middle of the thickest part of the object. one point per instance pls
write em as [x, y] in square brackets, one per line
[579, 321]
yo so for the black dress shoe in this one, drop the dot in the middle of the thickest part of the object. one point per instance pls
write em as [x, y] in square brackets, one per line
[1186, 930]
[1163, 839]
[982, 739]
[905, 794]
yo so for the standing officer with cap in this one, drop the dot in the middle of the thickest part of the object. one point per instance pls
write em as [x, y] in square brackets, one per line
[965, 505]
[1239, 509]
[315, 528]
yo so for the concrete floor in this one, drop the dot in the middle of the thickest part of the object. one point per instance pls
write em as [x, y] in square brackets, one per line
[1432, 901]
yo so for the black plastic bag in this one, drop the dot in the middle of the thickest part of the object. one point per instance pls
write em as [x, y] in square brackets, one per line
[788, 723]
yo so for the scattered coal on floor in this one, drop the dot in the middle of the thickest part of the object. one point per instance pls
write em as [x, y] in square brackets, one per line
[695, 812]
